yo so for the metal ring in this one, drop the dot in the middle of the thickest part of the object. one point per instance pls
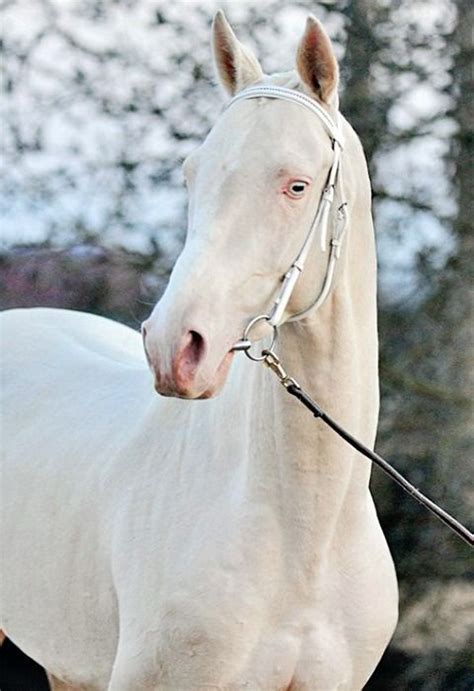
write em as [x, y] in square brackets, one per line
[248, 329]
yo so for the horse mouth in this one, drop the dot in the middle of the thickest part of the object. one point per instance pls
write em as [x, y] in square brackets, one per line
[220, 377]
[169, 389]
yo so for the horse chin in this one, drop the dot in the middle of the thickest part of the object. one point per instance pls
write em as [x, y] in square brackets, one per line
[188, 393]
[219, 379]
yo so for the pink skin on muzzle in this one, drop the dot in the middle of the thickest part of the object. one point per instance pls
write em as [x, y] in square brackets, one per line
[182, 371]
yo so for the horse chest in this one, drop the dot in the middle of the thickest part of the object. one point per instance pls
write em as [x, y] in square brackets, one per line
[229, 616]
[234, 610]
[200, 647]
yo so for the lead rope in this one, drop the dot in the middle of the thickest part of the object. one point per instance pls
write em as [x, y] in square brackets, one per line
[291, 385]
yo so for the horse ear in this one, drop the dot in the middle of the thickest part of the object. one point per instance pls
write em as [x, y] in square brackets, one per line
[316, 62]
[236, 66]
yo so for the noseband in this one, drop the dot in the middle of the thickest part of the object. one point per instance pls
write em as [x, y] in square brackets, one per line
[320, 220]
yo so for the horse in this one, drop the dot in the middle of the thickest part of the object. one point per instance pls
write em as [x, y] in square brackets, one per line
[213, 536]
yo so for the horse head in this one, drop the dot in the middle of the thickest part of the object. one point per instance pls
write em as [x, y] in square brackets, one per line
[253, 185]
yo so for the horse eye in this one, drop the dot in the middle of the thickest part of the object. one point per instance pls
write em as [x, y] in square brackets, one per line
[298, 188]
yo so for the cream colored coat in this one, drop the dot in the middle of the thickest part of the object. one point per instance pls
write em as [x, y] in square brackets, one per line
[185, 545]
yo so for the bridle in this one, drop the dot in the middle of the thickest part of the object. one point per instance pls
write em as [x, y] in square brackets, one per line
[320, 224]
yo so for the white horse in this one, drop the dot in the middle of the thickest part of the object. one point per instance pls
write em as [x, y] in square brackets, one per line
[157, 543]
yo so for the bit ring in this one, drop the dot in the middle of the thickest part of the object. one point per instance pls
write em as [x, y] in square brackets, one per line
[248, 329]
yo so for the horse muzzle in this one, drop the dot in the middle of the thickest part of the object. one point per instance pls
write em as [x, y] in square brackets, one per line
[184, 369]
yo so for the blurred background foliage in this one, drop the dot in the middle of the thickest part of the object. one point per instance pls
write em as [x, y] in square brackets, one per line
[102, 100]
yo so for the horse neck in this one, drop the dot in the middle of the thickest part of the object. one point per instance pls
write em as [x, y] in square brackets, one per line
[313, 479]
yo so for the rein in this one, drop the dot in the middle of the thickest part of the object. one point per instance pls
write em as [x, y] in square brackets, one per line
[274, 317]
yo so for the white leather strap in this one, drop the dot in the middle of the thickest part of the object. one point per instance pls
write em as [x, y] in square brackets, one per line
[282, 93]
[321, 218]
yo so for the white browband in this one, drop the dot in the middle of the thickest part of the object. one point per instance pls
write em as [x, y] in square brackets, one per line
[284, 94]
[321, 218]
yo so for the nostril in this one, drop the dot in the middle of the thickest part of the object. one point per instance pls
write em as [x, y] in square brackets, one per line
[188, 358]
[195, 348]
[190, 355]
